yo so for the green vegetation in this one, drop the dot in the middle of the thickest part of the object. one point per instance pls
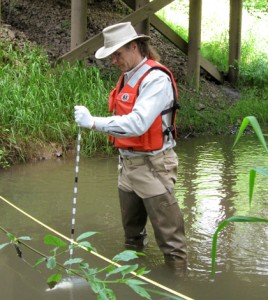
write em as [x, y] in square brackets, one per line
[221, 117]
[37, 102]
[100, 279]
[37, 99]
[253, 81]
[252, 176]
[215, 35]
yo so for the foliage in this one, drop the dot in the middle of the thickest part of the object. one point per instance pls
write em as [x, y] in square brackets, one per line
[255, 5]
[10, 149]
[37, 105]
[222, 225]
[37, 100]
[255, 125]
[215, 38]
[99, 279]
[254, 62]
[217, 50]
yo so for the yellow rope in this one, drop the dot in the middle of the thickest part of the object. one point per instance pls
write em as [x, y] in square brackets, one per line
[94, 253]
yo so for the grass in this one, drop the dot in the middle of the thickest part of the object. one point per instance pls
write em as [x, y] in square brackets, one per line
[253, 81]
[215, 36]
[37, 100]
[222, 116]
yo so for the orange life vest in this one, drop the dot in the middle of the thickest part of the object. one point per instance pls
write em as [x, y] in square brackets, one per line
[122, 100]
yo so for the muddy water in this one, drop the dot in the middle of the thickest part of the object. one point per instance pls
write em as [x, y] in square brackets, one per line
[212, 185]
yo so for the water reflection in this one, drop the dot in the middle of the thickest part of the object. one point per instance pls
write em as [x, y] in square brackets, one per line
[212, 185]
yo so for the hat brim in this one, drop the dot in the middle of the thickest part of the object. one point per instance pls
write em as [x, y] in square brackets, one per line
[104, 52]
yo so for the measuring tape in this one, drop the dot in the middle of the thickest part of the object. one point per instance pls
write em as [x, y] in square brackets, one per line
[75, 190]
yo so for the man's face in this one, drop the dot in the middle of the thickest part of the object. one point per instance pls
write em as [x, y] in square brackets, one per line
[126, 58]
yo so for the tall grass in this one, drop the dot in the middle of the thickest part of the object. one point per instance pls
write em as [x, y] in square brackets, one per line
[221, 117]
[37, 100]
[37, 105]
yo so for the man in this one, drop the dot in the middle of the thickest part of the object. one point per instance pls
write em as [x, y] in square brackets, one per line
[142, 128]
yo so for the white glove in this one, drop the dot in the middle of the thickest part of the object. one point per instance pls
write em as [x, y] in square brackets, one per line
[83, 117]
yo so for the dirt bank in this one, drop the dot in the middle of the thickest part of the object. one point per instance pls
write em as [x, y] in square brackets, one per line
[47, 23]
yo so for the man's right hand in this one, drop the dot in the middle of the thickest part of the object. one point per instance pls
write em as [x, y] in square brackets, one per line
[83, 117]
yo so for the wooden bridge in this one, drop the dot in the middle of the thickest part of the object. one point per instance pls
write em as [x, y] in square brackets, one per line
[143, 16]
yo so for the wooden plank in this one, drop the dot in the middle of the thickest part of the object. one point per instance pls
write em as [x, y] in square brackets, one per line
[175, 39]
[171, 35]
[211, 69]
[144, 26]
[130, 3]
[96, 42]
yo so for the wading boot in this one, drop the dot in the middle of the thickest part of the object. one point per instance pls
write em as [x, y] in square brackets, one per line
[168, 226]
[134, 218]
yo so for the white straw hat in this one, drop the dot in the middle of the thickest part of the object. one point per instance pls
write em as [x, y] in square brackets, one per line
[116, 36]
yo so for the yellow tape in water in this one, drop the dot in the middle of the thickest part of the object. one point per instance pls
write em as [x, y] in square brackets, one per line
[94, 253]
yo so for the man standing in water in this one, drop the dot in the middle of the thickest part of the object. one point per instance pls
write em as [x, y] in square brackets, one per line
[142, 127]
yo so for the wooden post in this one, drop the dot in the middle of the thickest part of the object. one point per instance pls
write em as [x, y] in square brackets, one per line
[235, 40]
[144, 26]
[195, 18]
[78, 22]
[95, 42]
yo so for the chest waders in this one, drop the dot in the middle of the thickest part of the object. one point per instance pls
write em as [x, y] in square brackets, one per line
[164, 214]
[166, 219]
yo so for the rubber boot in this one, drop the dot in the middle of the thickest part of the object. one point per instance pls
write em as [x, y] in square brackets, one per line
[168, 225]
[134, 218]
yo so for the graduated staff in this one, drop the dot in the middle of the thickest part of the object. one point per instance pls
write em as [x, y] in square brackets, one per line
[142, 127]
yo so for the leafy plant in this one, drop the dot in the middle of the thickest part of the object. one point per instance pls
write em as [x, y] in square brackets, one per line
[99, 279]
[78, 267]
[255, 5]
[256, 127]
[252, 175]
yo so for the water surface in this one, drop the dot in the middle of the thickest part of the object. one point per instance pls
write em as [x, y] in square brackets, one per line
[212, 185]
